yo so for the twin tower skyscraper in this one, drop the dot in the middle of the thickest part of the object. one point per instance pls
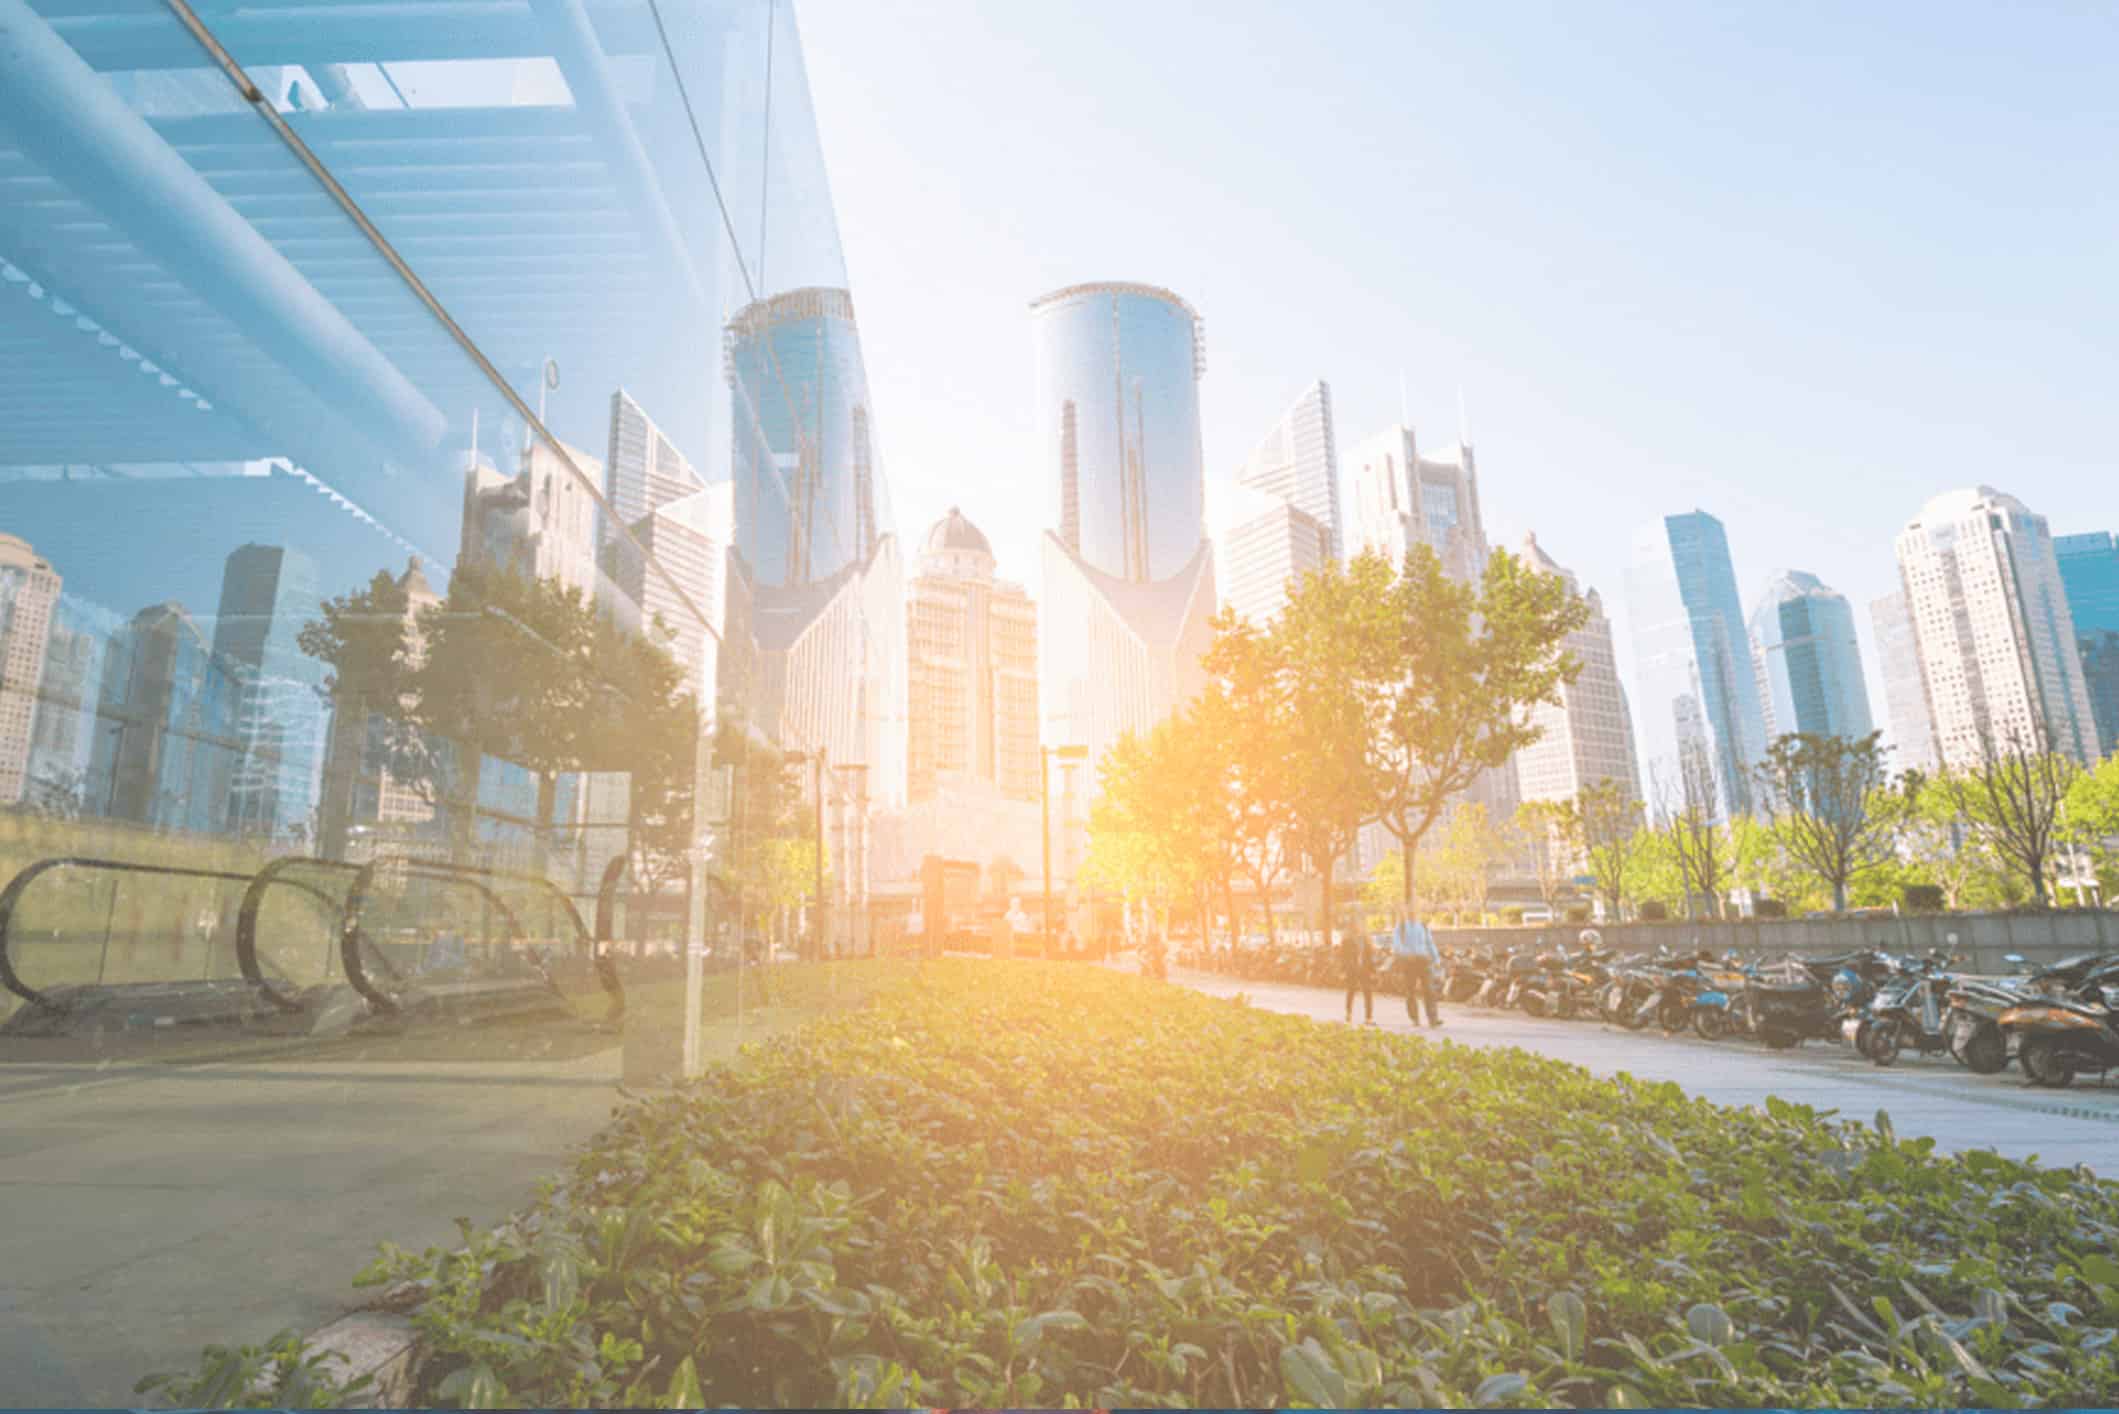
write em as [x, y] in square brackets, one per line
[1128, 571]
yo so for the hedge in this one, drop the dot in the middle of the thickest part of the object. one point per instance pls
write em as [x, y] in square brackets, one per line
[1027, 1184]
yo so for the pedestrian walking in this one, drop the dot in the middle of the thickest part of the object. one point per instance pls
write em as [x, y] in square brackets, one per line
[1418, 962]
[1354, 961]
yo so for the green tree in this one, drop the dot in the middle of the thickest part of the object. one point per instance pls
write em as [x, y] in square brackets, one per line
[1830, 807]
[1471, 847]
[2092, 816]
[1460, 669]
[363, 639]
[1313, 667]
[1242, 719]
[1689, 818]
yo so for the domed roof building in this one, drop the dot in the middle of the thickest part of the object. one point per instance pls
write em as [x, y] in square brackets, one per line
[971, 654]
[957, 547]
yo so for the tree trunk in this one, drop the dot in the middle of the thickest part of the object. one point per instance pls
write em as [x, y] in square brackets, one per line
[1325, 900]
[1839, 895]
[1228, 906]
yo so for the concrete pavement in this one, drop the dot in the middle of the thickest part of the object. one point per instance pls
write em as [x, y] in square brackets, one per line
[1935, 1096]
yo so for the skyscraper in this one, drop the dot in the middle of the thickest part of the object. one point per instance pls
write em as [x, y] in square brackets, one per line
[2089, 570]
[1269, 546]
[1998, 655]
[1809, 661]
[643, 470]
[971, 669]
[1128, 573]
[1588, 737]
[29, 588]
[1298, 461]
[822, 581]
[1699, 726]
[267, 593]
[542, 521]
[1905, 698]
[1403, 499]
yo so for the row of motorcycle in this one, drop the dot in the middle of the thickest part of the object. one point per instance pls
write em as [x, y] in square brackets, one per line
[2054, 1022]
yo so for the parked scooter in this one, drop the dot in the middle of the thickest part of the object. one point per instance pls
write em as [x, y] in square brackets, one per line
[1913, 1017]
[2057, 1038]
[1973, 1019]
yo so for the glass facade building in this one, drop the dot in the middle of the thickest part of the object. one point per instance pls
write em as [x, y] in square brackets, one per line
[1298, 461]
[1905, 696]
[411, 414]
[1117, 411]
[1809, 660]
[2089, 572]
[1699, 726]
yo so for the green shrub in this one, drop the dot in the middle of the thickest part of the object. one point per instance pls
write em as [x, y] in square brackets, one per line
[1770, 908]
[1655, 911]
[1923, 898]
[1578, 913]
[1512, 915]
[1023, 1184]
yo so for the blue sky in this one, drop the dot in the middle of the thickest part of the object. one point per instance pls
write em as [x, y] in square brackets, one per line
[1800, 265]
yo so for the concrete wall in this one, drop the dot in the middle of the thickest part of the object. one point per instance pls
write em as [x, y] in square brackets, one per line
[1981, 938]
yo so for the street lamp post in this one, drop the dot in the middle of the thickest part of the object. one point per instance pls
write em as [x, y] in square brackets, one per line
[1044, 796]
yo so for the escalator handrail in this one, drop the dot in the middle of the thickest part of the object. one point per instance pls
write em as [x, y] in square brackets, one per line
[12, 894]
[357, 898]
[606, 968]
[246, 922]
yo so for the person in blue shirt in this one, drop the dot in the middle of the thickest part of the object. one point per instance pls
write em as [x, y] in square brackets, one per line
[1413, 947]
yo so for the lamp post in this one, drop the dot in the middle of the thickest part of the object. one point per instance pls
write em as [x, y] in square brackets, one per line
[1044, 796]
[853, 852]
[817, 762]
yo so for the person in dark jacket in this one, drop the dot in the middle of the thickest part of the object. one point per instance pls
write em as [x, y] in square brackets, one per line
[1354, 961]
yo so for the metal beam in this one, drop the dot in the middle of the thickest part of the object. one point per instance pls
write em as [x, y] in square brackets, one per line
[381, 33]
[74, 124]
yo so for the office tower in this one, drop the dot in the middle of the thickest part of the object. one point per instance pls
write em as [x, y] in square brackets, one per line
[971, 669]
[1998, 655]
[1588, 736]
[674, 574]
[1267, 549]
[268, 593]
[1699, 727]
[28, 589]
[2089, 571]
[1809, 661]
[818, 561]
[1128, 573]
[542, 521]
[1905, 699]
[1299, 462]
[67, 697]
[166, 745]
[643, 470]
[1402, 499]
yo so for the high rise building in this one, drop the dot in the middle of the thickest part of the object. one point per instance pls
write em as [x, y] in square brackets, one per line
[2089, 570]
[1809, 661]
[643, 470]
[1588, 736]
[821, 576]
[1905, 699]
[267, 593]
[67, 699]
[1128, 573]
[1298, 461]
[1998, 655]
[543, 521]
[971, 669]
[29, 588]
[1700, 729]
[675, 573]
[1403, 499]
[166, 743]
[1269, 546]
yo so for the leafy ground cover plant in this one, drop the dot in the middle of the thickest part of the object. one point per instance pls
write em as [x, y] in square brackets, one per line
[1026, 1184]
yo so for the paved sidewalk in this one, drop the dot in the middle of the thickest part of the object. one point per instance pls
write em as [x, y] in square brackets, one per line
[147, 1211]
[1934, 1096]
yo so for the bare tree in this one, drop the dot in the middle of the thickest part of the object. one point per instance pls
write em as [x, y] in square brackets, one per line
[2012, 798]
[1543, 824]
[1691, 821]
[1603, 823]
[1827, 799]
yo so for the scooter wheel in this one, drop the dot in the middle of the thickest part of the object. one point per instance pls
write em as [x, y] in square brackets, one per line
[2045, 1066]
[1986, 1053]
[1710, 1023]
[1779, 1038]
[1884, 1043]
